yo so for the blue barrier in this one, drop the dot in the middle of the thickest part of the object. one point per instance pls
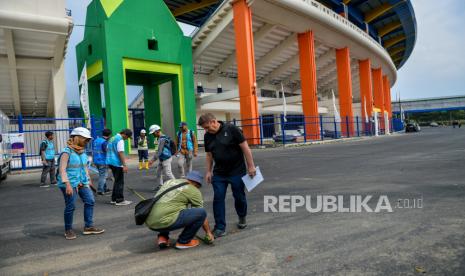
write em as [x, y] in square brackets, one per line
[293, 129]
[34, 130]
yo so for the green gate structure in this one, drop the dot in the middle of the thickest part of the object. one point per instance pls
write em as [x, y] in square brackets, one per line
[129, 42]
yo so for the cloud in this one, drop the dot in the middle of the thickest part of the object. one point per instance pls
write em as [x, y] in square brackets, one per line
[436, 66]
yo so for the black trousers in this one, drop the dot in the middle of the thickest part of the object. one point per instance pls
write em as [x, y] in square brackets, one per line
[118, 185]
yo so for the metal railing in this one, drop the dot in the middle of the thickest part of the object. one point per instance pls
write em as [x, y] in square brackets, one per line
[33, 130]
[279, 130]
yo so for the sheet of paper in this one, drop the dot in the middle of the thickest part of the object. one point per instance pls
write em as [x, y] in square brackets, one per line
[251, 183]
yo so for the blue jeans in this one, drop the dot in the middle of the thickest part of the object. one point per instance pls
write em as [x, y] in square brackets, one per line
[220, 185]
[87, 197]
[102, 177]
[191, 219]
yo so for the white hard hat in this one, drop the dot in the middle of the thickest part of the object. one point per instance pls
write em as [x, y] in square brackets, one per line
[81, 131]
[142, 131]
[153, 128]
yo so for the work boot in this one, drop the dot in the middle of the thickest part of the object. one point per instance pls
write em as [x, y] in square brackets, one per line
[242, 223]
[140, 165]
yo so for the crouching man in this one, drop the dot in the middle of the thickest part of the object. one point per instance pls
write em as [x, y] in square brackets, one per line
[172, 212]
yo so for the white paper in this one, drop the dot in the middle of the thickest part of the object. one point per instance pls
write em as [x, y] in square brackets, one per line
[251, 183]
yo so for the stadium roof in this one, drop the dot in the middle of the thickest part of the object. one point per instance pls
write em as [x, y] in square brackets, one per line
[392, 22]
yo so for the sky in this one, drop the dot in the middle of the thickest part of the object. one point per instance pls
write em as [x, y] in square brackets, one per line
[436, 67]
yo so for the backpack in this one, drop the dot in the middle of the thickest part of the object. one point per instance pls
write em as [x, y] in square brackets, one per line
[143, 208]
[171, 144]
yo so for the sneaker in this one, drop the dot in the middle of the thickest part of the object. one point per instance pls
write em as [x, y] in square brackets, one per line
[192, 243]
[107, 192]
[43, 185]
[92, 230]
[242, 223]
[100, 193]
[54, 183]
[218, 233]
[123, 203]
[163, 242]
[70, 235]
[113, 202]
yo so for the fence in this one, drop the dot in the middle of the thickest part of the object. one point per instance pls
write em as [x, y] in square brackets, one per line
[34, 129]
[277, 130]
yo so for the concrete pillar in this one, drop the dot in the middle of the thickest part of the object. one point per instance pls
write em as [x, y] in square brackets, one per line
[344, 79]
[366, 91]
[246, 70]
[309, 84]
[378, 93]
[60, 103]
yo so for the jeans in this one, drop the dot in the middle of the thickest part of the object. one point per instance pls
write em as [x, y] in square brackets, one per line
[87, 197]
[117, 194]
[143, 155]
[102, 177]
[164, 167]
[46, 169]
[185, 161]
[191, 220]
[220, 185]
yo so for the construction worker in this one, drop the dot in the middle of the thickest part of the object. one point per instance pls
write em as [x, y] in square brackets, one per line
[180, 208]
[164, 154]
[99, 155]
[187, 148]
[143, 151]
[73, 180]
[117, 163]
[47, 154]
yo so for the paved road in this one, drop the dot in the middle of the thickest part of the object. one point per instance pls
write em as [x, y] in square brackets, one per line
[428, 165]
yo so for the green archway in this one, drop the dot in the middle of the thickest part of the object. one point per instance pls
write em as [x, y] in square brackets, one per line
[136, 42]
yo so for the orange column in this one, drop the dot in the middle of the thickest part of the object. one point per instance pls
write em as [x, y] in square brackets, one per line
[246, 71]
[308, 84]
[387, 96]
[378, 93]
[344, 80]
[366, 90]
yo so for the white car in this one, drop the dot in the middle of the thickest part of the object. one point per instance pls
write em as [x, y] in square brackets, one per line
[5, 147]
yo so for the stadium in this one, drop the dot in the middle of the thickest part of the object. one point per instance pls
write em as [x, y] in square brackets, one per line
[247, 53]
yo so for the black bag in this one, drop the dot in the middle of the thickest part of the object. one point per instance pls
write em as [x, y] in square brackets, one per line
[172, 146]
[143, 208]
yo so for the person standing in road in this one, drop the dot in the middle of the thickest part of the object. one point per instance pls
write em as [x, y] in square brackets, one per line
[226, 146]
[143, 150]
[117, 162]
[47, 155]
[164, 154]
[187, 148]
[74, 180]
[99, 156]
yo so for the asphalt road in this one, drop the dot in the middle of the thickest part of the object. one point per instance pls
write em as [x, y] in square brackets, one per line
[427, 166]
